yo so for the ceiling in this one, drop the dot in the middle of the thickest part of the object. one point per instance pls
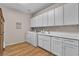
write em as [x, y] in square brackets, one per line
[29, 8]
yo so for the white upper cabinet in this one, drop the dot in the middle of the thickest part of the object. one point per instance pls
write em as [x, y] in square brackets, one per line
[40, 21]
[66, 14]
[44, 19]
[59, 16]
[51, 18]
[33, 22]
[71, 14]
[36, 21]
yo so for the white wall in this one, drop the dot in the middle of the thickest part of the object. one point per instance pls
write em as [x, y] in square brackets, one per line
[11, 34]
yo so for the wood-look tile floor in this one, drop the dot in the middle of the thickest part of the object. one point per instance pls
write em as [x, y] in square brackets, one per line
[24, 49]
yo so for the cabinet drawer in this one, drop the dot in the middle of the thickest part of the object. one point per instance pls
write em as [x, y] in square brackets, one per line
[71, 41]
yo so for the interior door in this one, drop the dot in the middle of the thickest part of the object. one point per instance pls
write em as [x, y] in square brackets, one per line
[1, 31]
[1, 45]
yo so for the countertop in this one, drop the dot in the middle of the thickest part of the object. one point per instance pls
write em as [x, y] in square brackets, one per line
[62, 34]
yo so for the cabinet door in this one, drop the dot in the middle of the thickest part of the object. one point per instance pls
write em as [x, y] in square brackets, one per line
[51, 18]
[36, 21]
[52, 44]
[28, 37]
[32, 22]
[59, 16]
[40, 41]
[70, 50]
[40, 20]
[46, 43]
[34, 39]
[57, 46]
[31, 39]
[44, 15]
[71, 14]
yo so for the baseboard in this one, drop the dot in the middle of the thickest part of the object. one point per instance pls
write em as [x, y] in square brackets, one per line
[15, 44]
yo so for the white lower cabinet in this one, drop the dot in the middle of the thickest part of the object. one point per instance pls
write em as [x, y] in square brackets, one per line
[28, 38]
[44, 42]
[64, 47]
[70, 48]
[40, 41]
[32, 38]
[56, 46]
